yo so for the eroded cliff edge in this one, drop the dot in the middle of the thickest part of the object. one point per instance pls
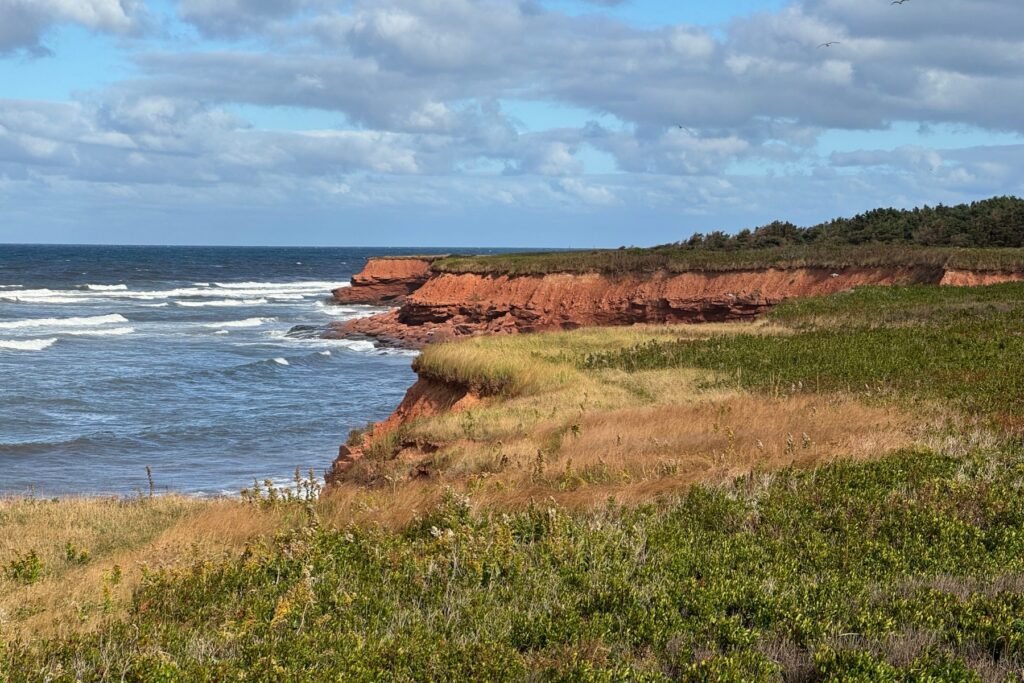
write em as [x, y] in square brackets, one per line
[448, 306]
[443, 306]
[386, 281]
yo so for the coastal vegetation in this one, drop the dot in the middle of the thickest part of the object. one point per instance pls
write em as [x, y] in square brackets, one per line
[830, 493]
[982, 236]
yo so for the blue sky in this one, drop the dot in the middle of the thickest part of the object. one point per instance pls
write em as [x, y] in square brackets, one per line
[494, 122]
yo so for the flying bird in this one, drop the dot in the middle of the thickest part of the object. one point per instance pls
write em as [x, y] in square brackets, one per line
[834, 42]
[897, 2]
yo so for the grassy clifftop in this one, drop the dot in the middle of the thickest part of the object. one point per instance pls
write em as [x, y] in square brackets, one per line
[832, 493]
[674, 259]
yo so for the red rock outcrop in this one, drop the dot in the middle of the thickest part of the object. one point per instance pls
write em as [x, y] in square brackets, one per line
[386, 281]
[449, 306]
[427, 397]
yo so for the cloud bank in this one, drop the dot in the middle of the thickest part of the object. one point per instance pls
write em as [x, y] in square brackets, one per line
[686, 120]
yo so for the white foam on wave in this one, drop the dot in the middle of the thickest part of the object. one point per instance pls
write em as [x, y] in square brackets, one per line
[408, 353]
[10, 286]
[27, 344]
[355, 344]
[347, 312]
[283, 291]
[223, 302]
[281, 361]
[323, 353]
[107, 288]
[222, 332]
[91, 321]
[102, 332]
[47, 296]
[249, 322]
[324, 286]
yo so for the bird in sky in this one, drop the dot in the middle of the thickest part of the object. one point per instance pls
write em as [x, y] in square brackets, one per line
[898, 2]
[833, 42]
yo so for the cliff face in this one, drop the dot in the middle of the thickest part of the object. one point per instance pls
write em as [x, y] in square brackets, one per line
[970, 278]
[385, 281]
[448, 306]
[427, 397]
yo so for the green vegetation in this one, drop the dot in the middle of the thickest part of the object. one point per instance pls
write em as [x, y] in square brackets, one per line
[996, 222]
[907, 569]
[674, 259]
[584, 520]
[987, 235]
[957, 346]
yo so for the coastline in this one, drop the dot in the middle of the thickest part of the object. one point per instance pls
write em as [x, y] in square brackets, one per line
[446, 307]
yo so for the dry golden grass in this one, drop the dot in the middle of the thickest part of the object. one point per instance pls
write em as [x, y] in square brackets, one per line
[514, 365]
[553, 431]
[92, 551]
[581, 437]
[631, 455]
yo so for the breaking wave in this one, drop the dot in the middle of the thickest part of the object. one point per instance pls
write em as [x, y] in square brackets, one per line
[27, 344]
[106, 288]
[222, 302]
[90, 321]
[249, 322]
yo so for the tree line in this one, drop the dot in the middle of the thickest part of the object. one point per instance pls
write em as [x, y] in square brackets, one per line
[995, 222]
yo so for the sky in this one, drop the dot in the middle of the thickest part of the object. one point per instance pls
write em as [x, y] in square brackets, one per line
[528, 123]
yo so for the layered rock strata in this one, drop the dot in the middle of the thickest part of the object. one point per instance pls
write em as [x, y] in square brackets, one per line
[386, 281]
[449, 306]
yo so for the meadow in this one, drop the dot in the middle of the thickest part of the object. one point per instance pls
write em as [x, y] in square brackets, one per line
[829, 493]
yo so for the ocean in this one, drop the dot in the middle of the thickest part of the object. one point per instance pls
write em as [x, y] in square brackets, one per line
[203, 364]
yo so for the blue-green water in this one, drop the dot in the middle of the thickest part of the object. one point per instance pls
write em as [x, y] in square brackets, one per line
[182, 359]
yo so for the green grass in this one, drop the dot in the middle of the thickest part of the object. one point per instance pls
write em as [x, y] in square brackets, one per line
[955, 346]
[906, 569]
[675, 259]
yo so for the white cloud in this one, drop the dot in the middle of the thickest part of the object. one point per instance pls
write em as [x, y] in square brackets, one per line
[692, 118]
[24, 22]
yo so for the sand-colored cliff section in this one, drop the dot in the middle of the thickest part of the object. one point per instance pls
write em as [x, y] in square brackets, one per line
[973, 278]
[386, 280]
[449, 306]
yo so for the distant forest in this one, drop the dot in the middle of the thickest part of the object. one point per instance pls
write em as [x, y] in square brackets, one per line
[996, 222]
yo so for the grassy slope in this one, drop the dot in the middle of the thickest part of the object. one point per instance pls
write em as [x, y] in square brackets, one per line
[903, 566]
[69, 564]
[957, 346]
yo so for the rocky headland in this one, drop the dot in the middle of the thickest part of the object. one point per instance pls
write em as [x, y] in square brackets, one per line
[440, 306]
[386, 281]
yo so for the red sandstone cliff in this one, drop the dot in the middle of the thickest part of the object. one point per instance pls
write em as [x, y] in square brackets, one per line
[448, 306]
[425, 398]
[386, 281]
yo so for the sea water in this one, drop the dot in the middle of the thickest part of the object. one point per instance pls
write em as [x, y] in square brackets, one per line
[204, 364]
